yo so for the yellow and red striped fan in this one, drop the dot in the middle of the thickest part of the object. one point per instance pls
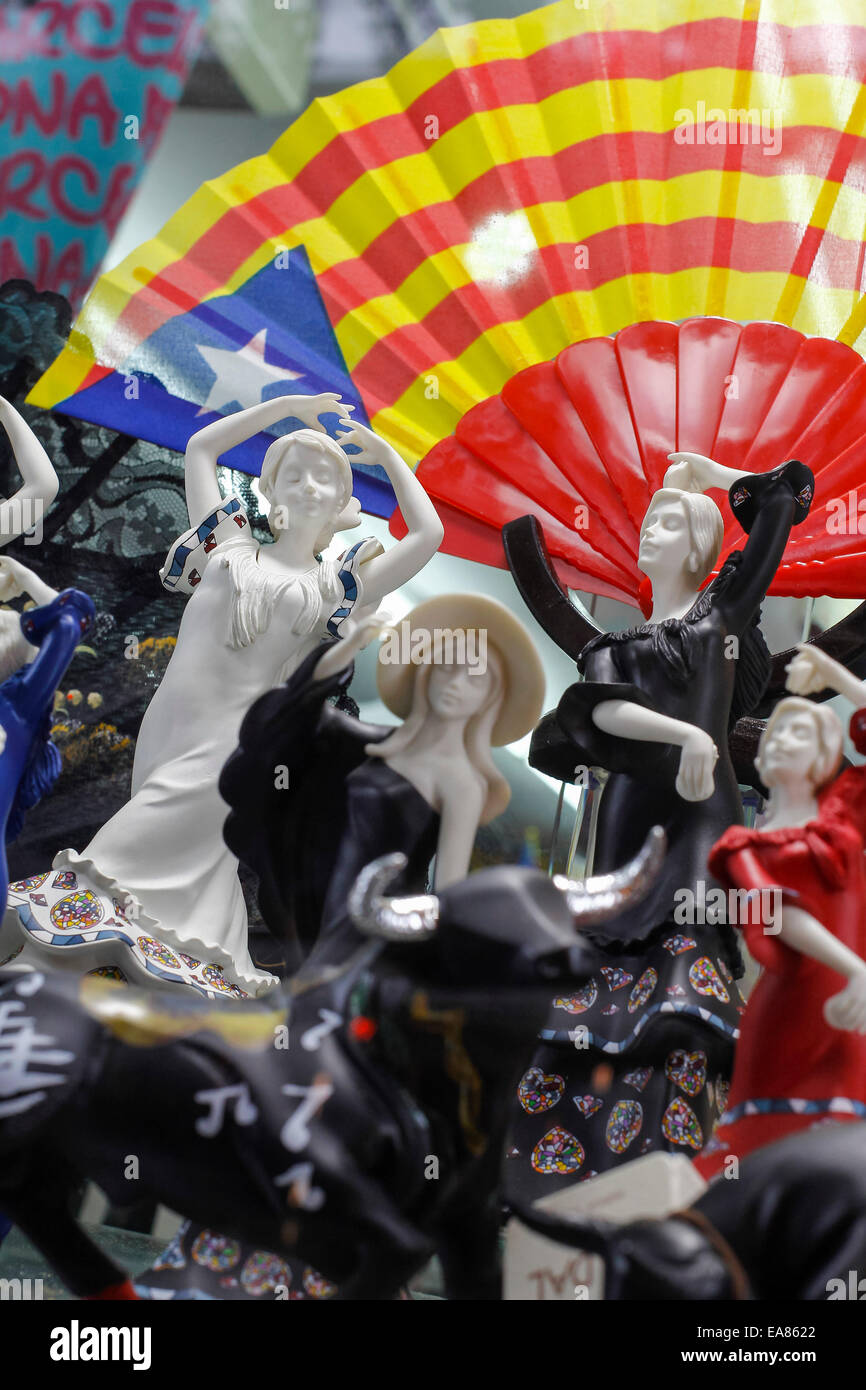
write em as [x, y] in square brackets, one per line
[515, 187]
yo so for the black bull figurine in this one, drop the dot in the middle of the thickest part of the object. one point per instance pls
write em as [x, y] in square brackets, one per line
[358, 1124]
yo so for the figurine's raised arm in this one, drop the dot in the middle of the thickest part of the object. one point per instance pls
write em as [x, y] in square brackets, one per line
[767, 505]
[697, 473]
[203, 451]
[354, 636]
[40, 486]
[387, 572]
[812, 670]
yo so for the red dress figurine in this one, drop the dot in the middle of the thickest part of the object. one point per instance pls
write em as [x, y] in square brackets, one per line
[801, 1057]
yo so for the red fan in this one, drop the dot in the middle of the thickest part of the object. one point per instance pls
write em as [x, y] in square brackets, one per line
[581, 443]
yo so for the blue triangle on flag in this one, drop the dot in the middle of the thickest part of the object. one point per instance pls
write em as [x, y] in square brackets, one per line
[168, 387]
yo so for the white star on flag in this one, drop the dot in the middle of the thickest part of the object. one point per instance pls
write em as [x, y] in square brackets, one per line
[241, 374]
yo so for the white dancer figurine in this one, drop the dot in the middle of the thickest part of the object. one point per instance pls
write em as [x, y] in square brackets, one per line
[159, 876]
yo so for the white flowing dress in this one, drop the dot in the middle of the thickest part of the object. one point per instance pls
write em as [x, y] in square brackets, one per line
[155, 895]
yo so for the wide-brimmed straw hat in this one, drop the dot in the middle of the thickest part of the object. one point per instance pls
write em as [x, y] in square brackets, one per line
[523, 697]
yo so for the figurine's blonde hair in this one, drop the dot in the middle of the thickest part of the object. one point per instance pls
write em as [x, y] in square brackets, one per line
[15, 650]
[828, 735]
[705, 522]
[477, 732]
[277, 453]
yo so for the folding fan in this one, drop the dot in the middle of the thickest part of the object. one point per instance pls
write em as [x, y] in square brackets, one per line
[582, 443]
[514, 187]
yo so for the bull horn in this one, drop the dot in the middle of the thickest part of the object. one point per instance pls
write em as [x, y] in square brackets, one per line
[603, 896]
[391, 919]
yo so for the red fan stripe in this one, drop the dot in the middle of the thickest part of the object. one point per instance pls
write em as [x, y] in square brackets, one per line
[397, 360]
[463, 92]
[722, 248]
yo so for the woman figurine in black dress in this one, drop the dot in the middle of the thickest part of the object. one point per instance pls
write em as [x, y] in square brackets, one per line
[464, 675]
[316, 794]
[640, 1058]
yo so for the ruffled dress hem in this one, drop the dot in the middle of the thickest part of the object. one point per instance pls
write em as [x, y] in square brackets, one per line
[74, 913]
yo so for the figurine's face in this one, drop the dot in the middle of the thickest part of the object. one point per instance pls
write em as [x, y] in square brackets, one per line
[458, 690]
[307, 483]
[790, 750]
[665, 539]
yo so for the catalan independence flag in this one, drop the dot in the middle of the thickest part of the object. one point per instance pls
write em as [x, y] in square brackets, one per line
[512, 187]
[269, 337]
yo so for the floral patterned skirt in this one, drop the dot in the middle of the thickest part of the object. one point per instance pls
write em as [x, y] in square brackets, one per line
[75, 919]
[638, 1059]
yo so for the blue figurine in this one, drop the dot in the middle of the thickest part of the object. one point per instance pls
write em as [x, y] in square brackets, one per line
[35, 649]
